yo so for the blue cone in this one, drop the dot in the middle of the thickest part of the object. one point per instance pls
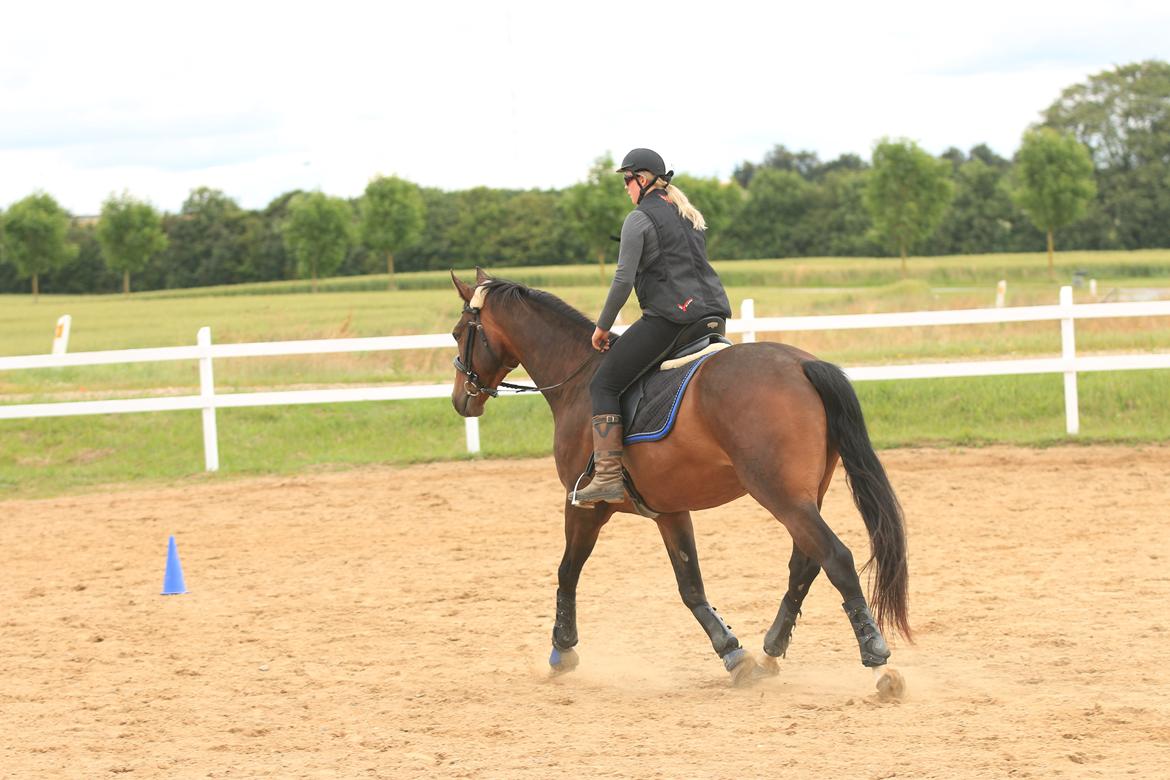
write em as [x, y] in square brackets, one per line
[173, 580]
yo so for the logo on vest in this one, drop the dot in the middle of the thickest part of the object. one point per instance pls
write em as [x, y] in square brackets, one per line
[684, 304]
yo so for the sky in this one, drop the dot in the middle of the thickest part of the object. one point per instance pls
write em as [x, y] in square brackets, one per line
[258, 98]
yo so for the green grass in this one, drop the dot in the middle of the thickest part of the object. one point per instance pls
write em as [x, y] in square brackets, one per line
[52, 455]
[59, 455]
[63, 454]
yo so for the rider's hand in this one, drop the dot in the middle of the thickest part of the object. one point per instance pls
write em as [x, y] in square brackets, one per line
[600, 339]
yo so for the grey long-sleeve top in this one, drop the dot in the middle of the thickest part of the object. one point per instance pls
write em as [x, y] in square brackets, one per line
[639, 240]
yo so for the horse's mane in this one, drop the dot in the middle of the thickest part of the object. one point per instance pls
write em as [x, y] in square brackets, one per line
[514, 292]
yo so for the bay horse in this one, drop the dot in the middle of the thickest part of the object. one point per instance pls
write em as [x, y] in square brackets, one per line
[763, 418]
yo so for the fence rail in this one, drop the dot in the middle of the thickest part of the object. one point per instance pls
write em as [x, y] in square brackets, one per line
[748, 325]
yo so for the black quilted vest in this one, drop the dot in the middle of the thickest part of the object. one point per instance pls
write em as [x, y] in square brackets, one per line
[677, 282]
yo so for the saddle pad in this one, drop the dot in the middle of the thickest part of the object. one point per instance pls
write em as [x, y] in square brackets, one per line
[661, 396]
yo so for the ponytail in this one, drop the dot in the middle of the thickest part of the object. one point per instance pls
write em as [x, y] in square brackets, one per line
[685, 207]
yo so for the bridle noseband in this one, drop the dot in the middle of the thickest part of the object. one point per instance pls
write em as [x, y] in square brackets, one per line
[472, 384]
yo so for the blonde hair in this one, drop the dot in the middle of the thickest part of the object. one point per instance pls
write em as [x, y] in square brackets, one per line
[685, 208]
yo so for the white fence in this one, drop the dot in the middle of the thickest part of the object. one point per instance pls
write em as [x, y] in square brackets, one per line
[1066, 312]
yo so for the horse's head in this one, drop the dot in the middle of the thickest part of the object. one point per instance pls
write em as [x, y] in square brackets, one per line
[484, 356]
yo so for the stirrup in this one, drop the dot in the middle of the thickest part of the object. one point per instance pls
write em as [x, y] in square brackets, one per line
[589, 503]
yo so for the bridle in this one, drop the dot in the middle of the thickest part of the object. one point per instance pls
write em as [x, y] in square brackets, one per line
[472, 385]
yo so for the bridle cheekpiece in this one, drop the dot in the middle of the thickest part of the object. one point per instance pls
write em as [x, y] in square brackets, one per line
[472, 385]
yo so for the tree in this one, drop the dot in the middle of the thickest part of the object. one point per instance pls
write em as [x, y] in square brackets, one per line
[318, 233]
[773, 220]
[596, 207]
[207, 242]
[434, 250]
[36, 238]
[1123, 117]
[838, 219]
[531, 232]
[907, 194]
[982, 217]
[477, 230]
[129, 233]
[718, 201]
[1054, 181]
[392, 217]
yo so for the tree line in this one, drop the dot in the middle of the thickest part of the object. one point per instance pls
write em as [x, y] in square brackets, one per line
[1094, 173]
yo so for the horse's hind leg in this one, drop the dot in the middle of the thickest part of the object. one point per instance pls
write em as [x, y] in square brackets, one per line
[802, 570]
[817, 541]
[679, 535]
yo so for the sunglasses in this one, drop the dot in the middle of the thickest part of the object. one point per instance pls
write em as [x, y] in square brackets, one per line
[629, 177]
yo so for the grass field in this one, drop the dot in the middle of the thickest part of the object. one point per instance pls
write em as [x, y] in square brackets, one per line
[39, 457]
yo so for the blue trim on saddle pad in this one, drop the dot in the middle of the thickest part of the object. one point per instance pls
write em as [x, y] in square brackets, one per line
[638, 438]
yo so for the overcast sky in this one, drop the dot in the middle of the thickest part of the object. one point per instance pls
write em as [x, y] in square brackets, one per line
[260, 98]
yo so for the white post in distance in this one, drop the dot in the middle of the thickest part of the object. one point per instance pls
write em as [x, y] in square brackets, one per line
[1001, 293]
[207, 391]
[471, 426]
[747, 313]
[1068, 351]
[61, 335]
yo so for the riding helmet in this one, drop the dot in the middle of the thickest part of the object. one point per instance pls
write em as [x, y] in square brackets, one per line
[643, 160]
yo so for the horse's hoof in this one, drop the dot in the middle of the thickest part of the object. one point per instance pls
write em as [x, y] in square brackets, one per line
[562, 661]
[742, 666]
[890, 684]
[769, 667]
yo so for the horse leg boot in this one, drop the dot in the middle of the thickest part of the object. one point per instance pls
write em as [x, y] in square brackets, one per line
[838, 566]
[607, 482]
[802, 570]
[874, 650]
[679, 535]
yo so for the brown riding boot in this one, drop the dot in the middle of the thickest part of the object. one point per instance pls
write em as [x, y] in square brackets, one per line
[607, 482]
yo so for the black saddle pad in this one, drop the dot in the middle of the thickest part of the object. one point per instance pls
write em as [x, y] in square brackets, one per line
[650, 405]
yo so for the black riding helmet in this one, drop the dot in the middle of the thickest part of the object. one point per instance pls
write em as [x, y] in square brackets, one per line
[645, 160]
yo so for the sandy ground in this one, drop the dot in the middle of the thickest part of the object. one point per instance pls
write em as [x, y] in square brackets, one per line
[394, 622]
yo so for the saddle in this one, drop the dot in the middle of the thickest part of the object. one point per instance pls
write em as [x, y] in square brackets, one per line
[649, 403]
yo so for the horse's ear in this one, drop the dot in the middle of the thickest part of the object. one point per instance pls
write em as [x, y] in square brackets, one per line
[465, 292]
[481, 276]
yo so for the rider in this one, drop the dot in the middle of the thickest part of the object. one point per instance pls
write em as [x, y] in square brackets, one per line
[663, 258]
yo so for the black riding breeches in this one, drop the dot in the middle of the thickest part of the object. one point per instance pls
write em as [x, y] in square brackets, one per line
[644, 342]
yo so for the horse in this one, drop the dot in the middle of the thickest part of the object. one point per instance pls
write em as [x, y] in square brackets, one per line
[765, 419]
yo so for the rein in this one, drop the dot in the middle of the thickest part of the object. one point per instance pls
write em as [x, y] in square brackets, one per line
[472, 384]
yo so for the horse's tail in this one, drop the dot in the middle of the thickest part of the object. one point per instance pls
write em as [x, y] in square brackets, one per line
[872, 492]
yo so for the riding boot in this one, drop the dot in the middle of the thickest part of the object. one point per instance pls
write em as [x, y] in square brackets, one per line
[607, 482]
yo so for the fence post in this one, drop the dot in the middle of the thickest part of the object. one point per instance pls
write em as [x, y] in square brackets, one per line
[471, 426]
[61, 335]
[747, 313]
[207, 391]
[1068, 352]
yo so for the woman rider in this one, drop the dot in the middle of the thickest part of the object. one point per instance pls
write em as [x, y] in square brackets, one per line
[663, 258]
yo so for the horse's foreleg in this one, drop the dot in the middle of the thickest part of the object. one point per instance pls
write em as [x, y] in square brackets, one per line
[679, 535]
[802, 570]
[582, 526]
